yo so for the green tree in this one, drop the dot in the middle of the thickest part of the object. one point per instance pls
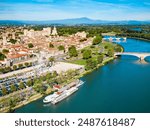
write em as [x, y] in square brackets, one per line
[48, 76]
[2, 70]
[26, 64]
[7, 69]
[100, 59]
[72, 51]
[118, 48]
[29, 83]
[2, 56]
[97, 40]
[15, 67]
[5, 51]
[55, 74]
[87, 54]
[20, 66]
[13, 88]
[51, 60]
[4, 91]
[51, 45]
[21, 85]
[13, 41]
[30, 45]
[61, 48]
[110, 52]
[90, 64]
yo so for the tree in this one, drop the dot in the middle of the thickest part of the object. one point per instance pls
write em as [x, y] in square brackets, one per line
[2, 56]
[30, 45]
[13, 41]
[20, 66]
[72, 51]
[48, 76]
[118, 48]
[21, 85]
[7, 69]
[51, 60]
[61, 48]
[13, 88]
[90, 64]
[5, 51]
[38, 87]
[29, 83]
[100, 59]
[4, 91]
[97, 40]
[26, 64]
[87, 54]
[110, 52]
[14, 67]
[55, 74]
[51, 45]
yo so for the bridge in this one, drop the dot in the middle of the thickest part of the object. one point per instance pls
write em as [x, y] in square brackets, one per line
[115, 38]
[141, 55]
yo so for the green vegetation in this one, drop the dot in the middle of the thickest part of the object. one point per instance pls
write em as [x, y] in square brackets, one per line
[72, 51]
[4, 91]
[5, 51]
[2, 56]
[14, 67]
[100, 59]
[61, 48]
[21, 85]
[90, 64]
[97, 40]
[51, 45]
[20, 66]
[30, 45]
[87, 54]
[95, 55]
[13, 88]
[13, 41]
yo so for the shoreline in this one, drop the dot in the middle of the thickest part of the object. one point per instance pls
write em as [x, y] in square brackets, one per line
[38, 96]
[140, 38]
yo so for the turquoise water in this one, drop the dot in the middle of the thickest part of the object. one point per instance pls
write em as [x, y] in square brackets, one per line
[122, 85]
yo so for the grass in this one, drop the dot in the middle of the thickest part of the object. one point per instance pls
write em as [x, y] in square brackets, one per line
[79, 62]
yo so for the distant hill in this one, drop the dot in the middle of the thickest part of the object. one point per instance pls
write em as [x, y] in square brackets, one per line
[75, 21]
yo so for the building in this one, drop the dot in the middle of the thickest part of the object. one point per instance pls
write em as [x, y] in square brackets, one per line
[54, 32]
[81, 34]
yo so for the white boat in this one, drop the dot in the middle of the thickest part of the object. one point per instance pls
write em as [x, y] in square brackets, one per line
[49, 98]
[79, 83]
[64, 95]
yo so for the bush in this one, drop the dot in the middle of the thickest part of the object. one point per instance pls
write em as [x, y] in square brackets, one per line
[30, 45]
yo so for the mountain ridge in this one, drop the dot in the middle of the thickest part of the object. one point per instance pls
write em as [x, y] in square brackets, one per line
[74, 21]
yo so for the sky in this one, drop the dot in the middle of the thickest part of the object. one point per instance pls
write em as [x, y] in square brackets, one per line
[64, 9]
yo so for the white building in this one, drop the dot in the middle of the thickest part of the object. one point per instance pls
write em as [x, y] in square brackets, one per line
[81, 34]
[54, 32]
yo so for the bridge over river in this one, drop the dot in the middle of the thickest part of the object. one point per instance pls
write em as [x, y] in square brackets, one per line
[140, 55]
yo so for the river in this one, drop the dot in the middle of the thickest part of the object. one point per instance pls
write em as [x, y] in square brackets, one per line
[121, 86]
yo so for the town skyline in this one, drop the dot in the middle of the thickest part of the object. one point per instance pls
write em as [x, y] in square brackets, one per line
[38, 10]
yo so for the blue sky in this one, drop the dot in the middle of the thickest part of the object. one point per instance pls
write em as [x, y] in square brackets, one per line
[62, 9]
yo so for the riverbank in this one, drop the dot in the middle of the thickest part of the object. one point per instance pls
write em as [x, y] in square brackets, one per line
[139, 38]
[38, 95]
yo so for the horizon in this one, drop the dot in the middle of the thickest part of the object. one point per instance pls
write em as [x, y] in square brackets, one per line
[46, 10]
[72, 19]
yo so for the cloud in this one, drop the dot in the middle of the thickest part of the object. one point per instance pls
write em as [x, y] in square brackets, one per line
[61, 9]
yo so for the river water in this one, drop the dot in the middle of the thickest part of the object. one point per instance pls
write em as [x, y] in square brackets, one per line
[123, 85]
